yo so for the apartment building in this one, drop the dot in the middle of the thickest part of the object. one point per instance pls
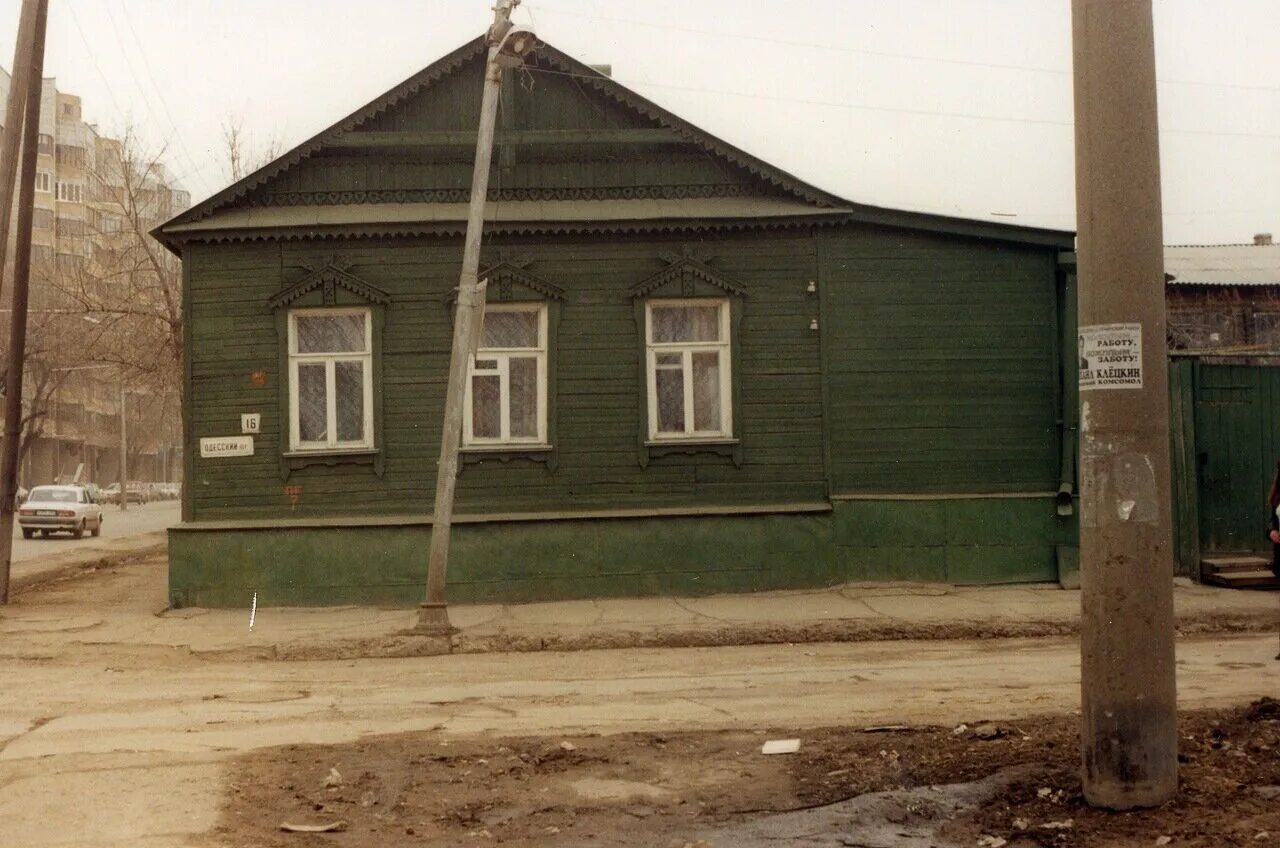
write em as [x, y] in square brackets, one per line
[80, 248]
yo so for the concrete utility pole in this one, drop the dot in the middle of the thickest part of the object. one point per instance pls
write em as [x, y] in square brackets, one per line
[1129, 700]
[124, 450]
[508, 45]
[21, 284]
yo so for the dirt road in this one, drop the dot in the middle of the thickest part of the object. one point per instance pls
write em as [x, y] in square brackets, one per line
[137, 528]
[104, 747]
[135, 521]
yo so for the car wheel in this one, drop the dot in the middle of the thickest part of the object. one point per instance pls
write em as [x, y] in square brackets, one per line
[79, 531]
[97, 529]
[27, 533]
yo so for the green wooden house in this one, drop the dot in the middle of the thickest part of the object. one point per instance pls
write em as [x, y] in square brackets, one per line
[697, 373]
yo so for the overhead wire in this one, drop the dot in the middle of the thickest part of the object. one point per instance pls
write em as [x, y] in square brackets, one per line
[892, 109]
[164, 105]
[920, 112]
[94, 58]
[115, 101]
[839, 48]
[173, 132]
[530, 7]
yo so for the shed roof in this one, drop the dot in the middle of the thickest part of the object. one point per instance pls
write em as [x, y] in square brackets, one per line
[1223, 265]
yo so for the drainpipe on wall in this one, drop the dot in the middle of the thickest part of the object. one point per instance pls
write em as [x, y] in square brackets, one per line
[1069, 428]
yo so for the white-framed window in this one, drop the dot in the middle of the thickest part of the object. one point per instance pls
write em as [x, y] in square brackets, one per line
[506, 400]
[330, 379]
[689, 379]
[44, 182]
[71, 192]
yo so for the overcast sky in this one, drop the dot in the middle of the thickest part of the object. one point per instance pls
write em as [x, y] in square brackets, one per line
[960, 107]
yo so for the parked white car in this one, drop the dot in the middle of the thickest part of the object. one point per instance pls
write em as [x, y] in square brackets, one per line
[52, 509]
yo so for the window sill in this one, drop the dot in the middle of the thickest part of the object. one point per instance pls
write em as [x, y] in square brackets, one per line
[506, 448]
[332, 452]
[291, 461]
[476, 454]
[655, 448]
[690, 441]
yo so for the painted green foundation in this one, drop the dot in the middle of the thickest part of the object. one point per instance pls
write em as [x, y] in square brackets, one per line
[971, 540]
[957, 541]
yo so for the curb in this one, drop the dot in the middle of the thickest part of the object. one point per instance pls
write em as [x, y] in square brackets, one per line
[410, 644]
[74, 568]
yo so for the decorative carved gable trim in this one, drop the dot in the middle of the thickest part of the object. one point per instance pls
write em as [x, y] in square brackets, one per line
[329, 276]
[606, 85]
[424, 78]
[500, 195]
[686, 269]
[472, 51]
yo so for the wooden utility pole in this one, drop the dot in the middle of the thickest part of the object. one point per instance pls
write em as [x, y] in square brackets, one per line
[507, 47]
[12, 140]
[21, 283]
[1128, 693]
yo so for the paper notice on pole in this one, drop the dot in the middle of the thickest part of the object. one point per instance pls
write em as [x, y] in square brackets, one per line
[1111, 356]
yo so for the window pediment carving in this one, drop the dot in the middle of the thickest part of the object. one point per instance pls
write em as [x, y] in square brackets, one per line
[327, 277]
[687, 275]
[506, 277]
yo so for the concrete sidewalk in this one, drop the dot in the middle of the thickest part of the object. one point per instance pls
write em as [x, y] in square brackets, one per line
[852, 613]
[123, 605]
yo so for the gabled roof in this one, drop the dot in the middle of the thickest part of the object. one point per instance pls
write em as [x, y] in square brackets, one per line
[807, 200]
[507, 212]
[242, 187]
[1223, 265]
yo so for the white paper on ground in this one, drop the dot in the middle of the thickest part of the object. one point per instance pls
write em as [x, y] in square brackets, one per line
[781, 746]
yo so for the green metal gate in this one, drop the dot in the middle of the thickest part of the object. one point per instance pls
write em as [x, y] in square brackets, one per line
[1237, 445]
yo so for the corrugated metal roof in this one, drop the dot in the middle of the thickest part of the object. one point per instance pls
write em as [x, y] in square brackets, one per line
[513, 211]
[1223, 265]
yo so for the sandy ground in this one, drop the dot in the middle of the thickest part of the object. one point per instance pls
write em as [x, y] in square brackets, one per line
[111, 746]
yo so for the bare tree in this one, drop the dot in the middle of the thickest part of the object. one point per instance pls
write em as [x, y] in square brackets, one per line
[129, 284]
[107, 307]
[59, 345]
[244, 154]
[113, 293]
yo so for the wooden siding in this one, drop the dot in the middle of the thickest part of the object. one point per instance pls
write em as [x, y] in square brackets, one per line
[595, 397]
[608, 153]
[1237, 445]
[924, 364]
[941, 361]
